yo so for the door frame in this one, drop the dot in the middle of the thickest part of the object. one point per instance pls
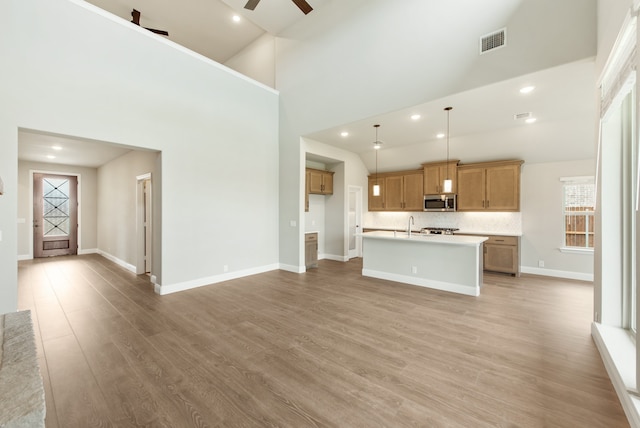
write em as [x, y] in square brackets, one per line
[140, 232]
[357, 252]
[78, 176]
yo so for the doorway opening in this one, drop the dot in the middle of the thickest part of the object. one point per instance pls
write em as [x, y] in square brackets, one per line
[355, 221]
[144, 224]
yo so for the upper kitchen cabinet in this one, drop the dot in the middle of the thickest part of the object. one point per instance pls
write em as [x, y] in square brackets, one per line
[376, 203]
[489, 186]
[399, 191]
[320, 182]
[436, 172]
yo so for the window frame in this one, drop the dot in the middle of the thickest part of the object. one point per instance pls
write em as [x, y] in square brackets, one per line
[589, 216]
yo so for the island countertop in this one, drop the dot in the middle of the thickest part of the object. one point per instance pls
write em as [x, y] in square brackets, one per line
[444, 262]
[427, 239]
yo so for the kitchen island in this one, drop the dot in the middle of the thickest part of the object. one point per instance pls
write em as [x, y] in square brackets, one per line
[443, 262]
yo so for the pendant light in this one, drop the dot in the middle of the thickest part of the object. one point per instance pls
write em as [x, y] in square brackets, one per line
[447, 186]
[376, 146]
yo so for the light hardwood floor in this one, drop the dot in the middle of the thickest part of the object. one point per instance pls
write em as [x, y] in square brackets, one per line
[325, 348]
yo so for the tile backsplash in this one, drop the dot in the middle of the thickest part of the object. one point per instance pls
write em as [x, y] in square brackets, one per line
[483, 222]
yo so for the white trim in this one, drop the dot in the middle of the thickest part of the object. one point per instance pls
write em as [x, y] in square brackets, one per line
[128, 266]
[88, 251]
[201, 282]
[618, 353]
[25, 257]
[334, 257]
[429, 283]
[576, 250]
[557, 273]
[292, 268]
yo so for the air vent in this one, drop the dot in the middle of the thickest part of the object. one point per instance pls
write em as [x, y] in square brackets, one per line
[519, 116]
[492, 41]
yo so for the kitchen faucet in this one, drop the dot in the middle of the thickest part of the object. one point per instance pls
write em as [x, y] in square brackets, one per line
[411, 221]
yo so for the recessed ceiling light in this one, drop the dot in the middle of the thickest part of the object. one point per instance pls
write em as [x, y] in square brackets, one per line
[415, 116]
[236, 18]
[440, 135]
[531, 120]
[56, 147]
[51, 157]
[344, 134]
[527, 89]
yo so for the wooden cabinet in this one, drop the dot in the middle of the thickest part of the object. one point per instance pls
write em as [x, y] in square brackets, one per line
[306, 192]
[436, 172]
[399, 191]
[320, 181]
[376, 203]
[490, 186]
[502, 254]
[311, 250]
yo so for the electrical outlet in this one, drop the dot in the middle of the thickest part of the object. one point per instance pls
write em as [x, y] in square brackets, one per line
[225, 268]
[540, 263]
[292, 223]
[414, 269]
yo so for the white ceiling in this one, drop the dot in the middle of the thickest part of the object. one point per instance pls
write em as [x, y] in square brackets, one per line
[39, 147]
[564, 93]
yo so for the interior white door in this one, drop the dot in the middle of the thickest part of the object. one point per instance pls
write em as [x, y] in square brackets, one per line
[355, 221]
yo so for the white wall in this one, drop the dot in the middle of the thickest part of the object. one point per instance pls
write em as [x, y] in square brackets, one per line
[117, 202]
[77, 71]
[371, 59]
[543, 220]
[258, 60]
[87, 232]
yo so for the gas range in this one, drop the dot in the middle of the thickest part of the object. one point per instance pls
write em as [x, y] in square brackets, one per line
[438, 230]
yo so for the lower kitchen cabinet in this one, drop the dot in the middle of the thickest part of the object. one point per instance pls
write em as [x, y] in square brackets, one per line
[311, 250]
[502, 254]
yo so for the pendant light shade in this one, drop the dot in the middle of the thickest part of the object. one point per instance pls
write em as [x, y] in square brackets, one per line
[376, 146]
[447, 186]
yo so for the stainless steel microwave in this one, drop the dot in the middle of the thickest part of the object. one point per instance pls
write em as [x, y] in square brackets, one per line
[440, 202]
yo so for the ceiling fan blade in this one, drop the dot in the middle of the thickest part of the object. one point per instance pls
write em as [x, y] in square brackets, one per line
[251, 4]
[161, 32]
[135, 14]
[136, 17]
[303, 5]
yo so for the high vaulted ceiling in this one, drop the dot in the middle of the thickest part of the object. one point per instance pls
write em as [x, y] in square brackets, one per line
[207, 27]
[563, 95]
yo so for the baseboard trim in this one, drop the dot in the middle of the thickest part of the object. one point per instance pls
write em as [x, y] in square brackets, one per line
[119, 262]
[292, 268]
[88, 251]
[333, 257]
[201, 282]
[625, 358]
[557, 273]
[438, 285]
[24, 257]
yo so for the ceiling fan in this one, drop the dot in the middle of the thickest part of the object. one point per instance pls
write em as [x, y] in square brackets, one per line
[302, 5]
[136, 20]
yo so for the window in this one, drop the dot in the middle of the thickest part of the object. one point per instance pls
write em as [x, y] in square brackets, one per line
[578, 206]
